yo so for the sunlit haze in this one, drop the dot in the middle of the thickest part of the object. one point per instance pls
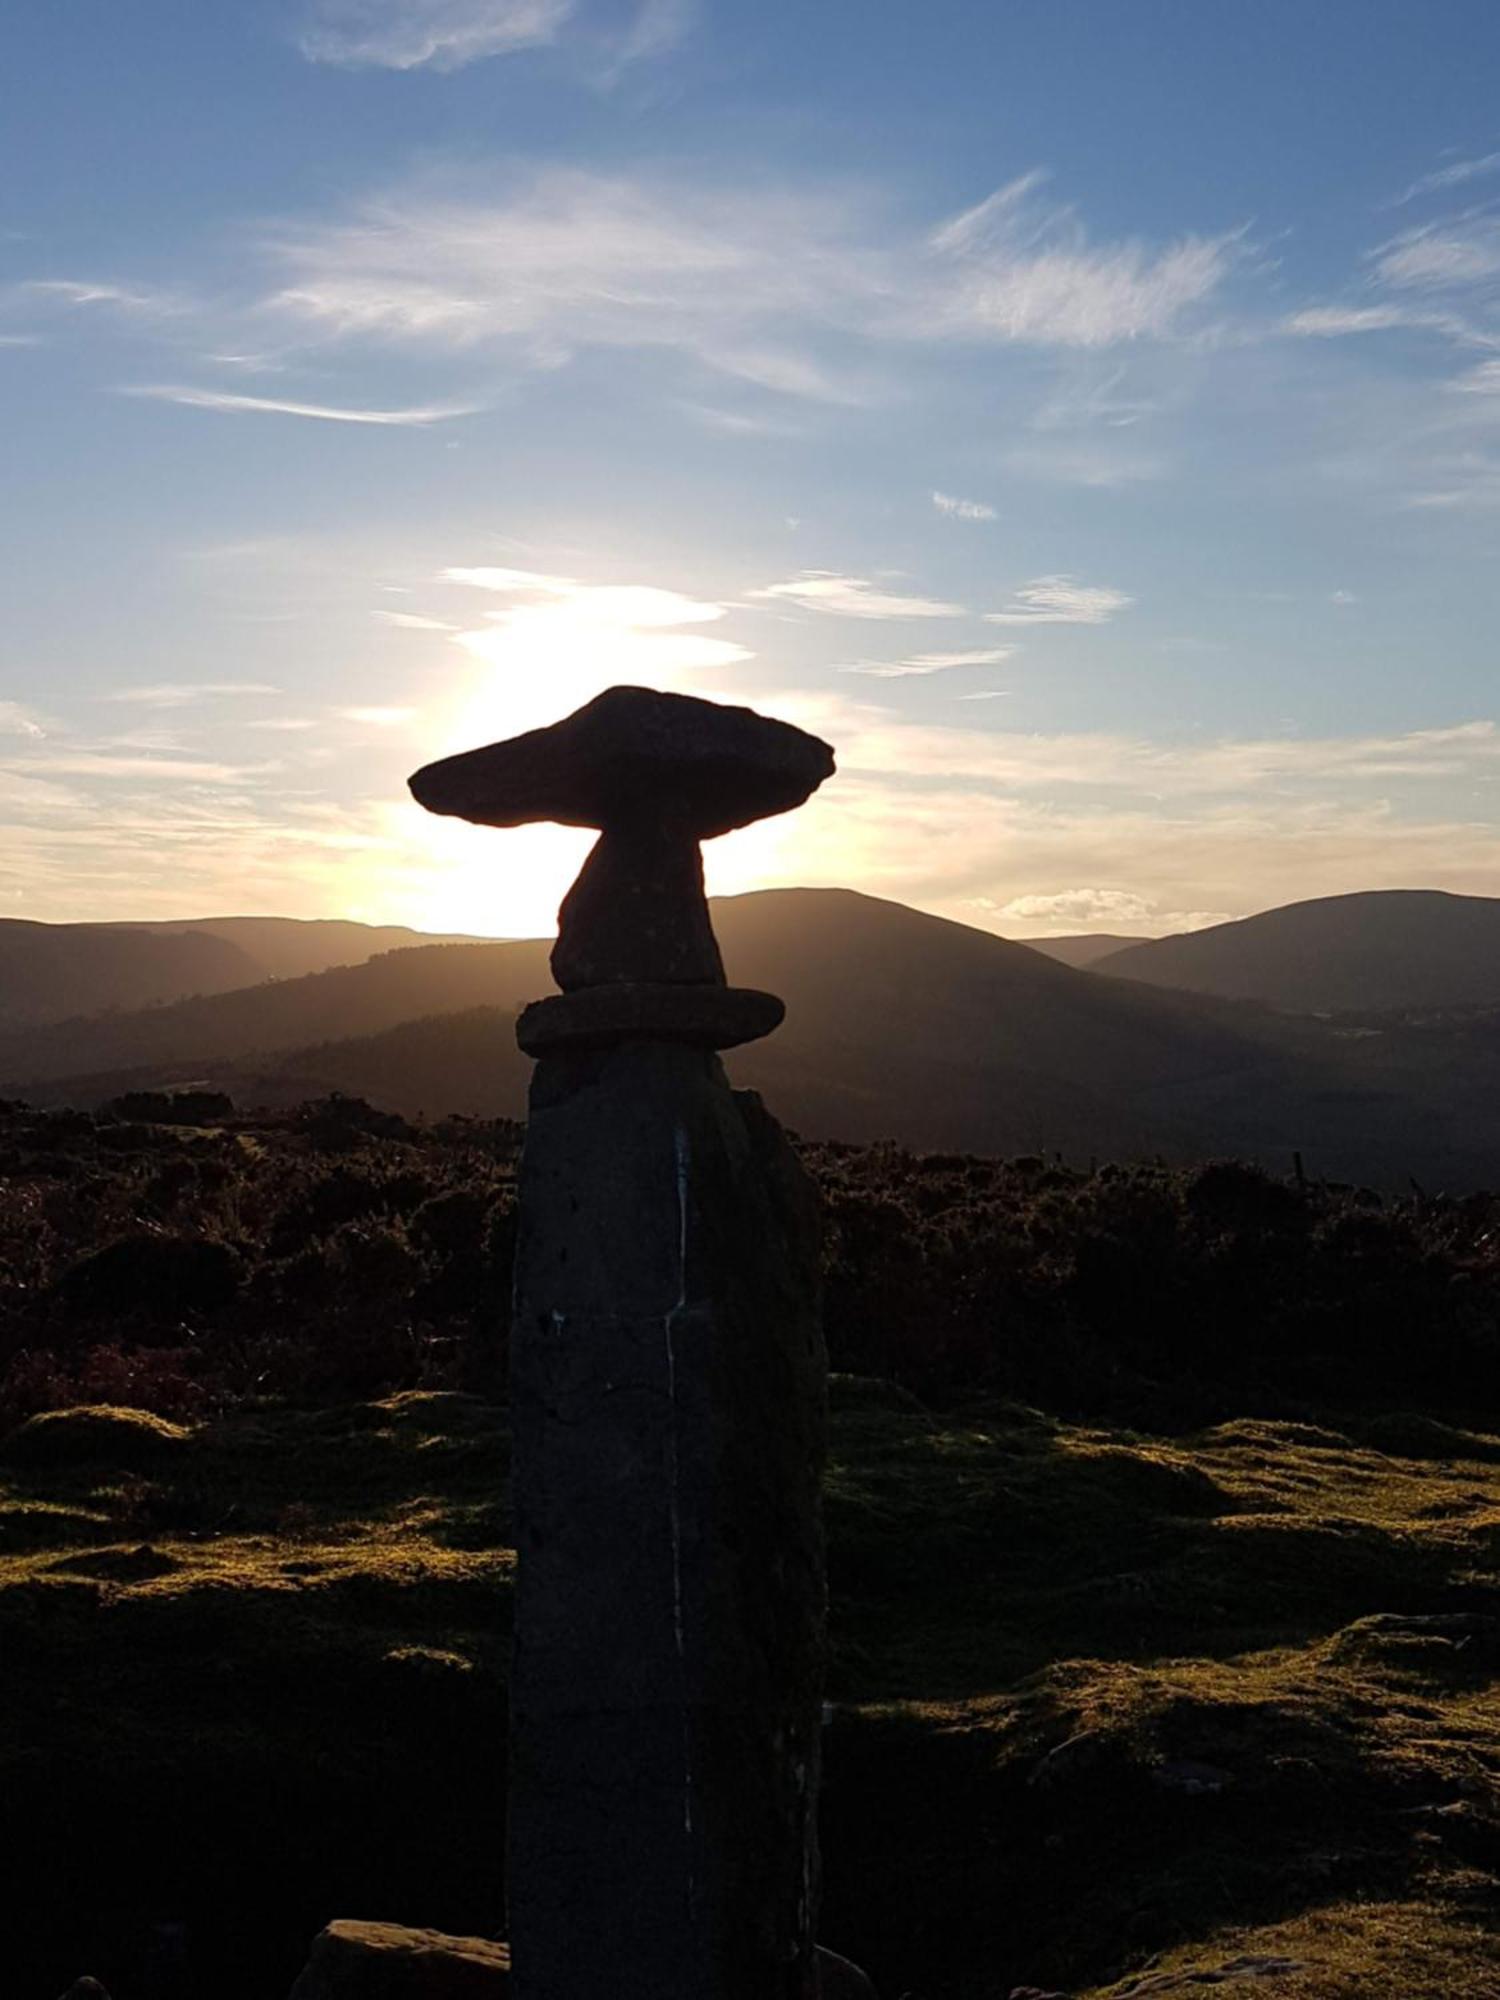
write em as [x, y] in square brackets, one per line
[1102, 453]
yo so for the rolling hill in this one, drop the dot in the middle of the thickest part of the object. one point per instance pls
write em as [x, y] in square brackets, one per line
[899, 1025]
[59, 972]
[1376, 951]
[1085, 949]
[345, 1000]
[49, 971]
[291, 947]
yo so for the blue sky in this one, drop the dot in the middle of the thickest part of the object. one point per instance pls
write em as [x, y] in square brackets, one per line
[1086, 413]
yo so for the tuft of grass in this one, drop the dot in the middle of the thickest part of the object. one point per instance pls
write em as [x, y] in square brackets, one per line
[94, 1432]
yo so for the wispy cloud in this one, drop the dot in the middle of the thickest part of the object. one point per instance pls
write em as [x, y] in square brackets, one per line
[1453, 175]
[494, 577]
[183, 694]
[434, 34]
[1103, 464]
[963, 510]
[376, 718]
[1123, 763]
[1331, 322]
[754, 282]
[135, 299]
[409, 621]
[636, 605]
[1060, 600]
[1024, 271]
[1442, 256]
[558, 260]
[799, 291]
[853, 597]
[982, 656]
[109, 764]
[18, 720]
[274, 406]
[738, 423]
[659, 27]
[929, 663]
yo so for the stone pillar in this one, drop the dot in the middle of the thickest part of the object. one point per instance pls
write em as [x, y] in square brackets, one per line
[668, 1392]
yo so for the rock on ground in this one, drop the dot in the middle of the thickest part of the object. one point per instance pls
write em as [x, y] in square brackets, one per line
[364, 1961]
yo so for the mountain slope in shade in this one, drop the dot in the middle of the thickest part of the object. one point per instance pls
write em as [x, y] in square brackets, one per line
[291, 947]
[1085, 949]
[280, 1014]
[1377, 951]
[899, 1025]
[61, 972]
[49, 971]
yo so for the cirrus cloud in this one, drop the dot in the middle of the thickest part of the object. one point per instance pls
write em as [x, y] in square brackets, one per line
[1060, 600]
[853, 597]
[275, 406]
[434, 34]
[963, 510]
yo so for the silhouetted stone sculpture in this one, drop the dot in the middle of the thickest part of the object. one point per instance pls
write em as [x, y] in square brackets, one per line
[656, 773]
[668, 1392]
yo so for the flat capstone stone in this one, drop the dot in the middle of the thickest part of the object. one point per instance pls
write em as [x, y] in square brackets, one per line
[634, 755]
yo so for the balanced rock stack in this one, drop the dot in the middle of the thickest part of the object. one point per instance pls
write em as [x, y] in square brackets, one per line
[657, 774]
[668, 1392]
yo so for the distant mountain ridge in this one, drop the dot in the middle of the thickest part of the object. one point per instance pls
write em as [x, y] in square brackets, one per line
[59, 972]
[290, 947]
[1373, 951]
[1083, 949]
[48, 971]
[899, 1025]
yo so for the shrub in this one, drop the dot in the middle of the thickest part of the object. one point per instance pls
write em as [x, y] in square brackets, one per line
[158, 1274]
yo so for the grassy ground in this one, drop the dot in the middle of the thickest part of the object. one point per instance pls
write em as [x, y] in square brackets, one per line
[1113, 1713]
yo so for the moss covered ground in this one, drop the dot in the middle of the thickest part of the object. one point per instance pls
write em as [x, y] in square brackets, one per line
[1114, 1714]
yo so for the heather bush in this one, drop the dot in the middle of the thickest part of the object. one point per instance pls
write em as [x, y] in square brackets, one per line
[336, 1251]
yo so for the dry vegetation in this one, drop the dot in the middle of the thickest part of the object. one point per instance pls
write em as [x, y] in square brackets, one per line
[1164, 1520]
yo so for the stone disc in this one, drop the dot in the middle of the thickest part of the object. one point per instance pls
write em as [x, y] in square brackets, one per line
[710, 1017]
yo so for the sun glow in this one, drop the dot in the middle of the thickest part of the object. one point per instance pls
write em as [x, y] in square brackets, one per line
[532, 663]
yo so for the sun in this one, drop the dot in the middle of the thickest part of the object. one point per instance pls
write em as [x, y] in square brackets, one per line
[530, 664]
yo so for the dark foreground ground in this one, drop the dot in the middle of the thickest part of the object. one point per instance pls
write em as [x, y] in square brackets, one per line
[1104, 1701]
[1198, 1676]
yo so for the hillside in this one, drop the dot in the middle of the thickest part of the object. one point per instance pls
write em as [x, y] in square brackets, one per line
[49, 971]
[347, 1000]
[292, 947]
[62, 972]
[1086, 949]
[55, 973]
[899, 1025]
[1379, 950]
